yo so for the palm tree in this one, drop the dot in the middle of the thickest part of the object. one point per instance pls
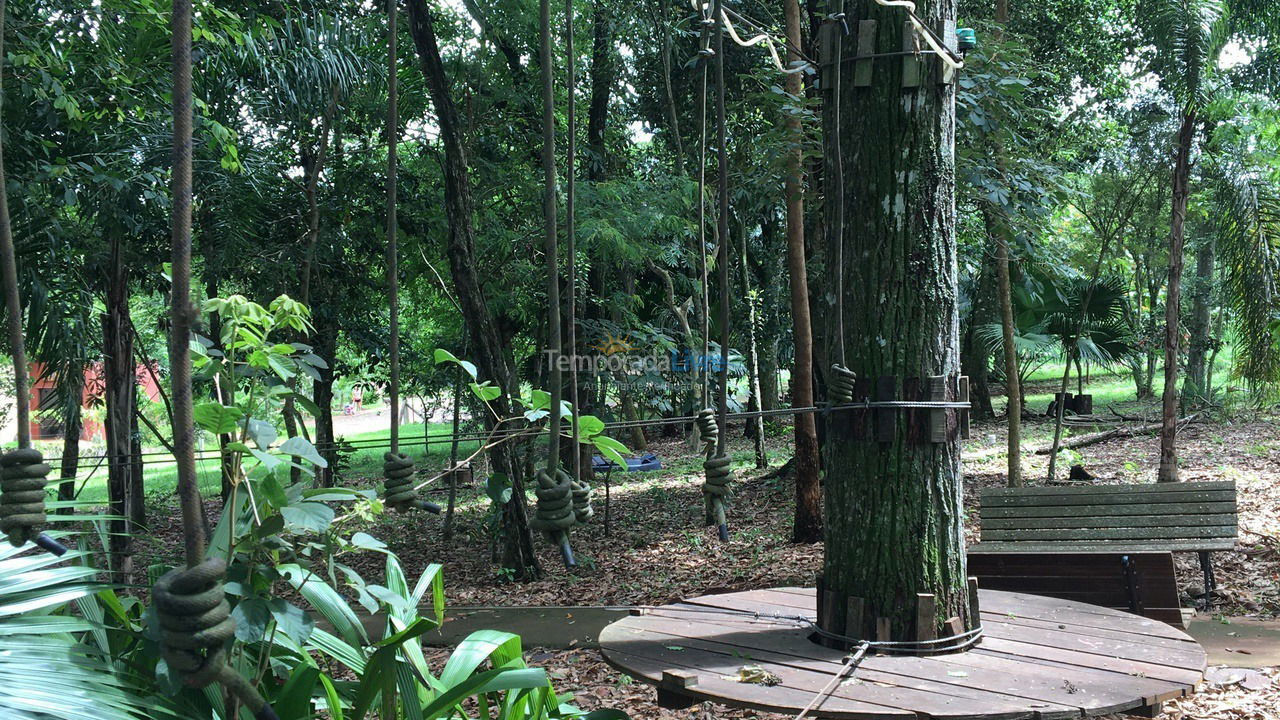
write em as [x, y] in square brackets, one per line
[1188, 36]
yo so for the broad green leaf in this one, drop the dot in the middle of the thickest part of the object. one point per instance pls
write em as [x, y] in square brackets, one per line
[217, 418]
[301, 447]
[307, 517]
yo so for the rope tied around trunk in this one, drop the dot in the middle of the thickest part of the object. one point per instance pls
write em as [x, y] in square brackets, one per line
[555, 512]
[23, 476]
[842, 379]
[196, 625]
[397, 486]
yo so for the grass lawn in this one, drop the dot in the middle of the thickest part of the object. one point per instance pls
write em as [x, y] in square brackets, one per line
[162, 472]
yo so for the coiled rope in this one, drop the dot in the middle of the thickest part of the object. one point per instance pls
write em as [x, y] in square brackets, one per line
[708, 430]
[716, 490]
[842, 380]
[23, 476]
[196, 624]
[554, 514]
[398, 491]
[582, 510]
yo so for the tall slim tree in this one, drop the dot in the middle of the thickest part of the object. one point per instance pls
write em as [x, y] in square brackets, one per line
[482, 332]
[1188, 36]
[893, 498]
[807, 524]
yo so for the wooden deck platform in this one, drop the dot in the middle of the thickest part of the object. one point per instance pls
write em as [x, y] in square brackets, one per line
[1040, 658]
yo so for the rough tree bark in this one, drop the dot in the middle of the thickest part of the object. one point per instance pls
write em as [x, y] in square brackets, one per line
[1168, 471]
[482, 332]
[893, 509]
[806, 526]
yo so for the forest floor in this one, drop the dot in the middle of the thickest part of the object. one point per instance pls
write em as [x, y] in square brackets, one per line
[654, 548]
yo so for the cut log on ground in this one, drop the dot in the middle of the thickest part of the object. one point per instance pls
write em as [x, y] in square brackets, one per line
[1120, 432]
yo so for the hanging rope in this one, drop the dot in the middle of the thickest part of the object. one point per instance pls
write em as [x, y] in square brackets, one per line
[190, 602]
[704, 53]
[715, 488]
[398, 491]
[555, 511]
[582, 509]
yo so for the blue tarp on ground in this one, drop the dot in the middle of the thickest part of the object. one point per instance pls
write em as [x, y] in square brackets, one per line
[645, 462]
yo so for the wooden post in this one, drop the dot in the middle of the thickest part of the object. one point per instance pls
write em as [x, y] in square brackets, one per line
[963, 396]
[975, 615]
[669, 695]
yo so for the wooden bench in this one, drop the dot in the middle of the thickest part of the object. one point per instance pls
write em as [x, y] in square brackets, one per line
[1111, 543]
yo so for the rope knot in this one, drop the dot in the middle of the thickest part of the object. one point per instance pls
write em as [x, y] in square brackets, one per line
[23, 476]
[842, 379]
[195, 621]
[717, 488]
[555, 512]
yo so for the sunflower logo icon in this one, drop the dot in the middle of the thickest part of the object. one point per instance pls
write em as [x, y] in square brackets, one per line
[612, 345]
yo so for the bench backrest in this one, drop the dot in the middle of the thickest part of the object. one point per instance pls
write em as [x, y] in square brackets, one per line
[1173, 516]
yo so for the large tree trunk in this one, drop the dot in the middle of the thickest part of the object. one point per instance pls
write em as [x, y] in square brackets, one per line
[121, 396]
[482, 331]
[1195, 387]
[806, 527]
[1168, 471]
[893, 510]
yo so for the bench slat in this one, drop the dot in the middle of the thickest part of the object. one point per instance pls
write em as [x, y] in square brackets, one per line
[1068, 546]
[1108, 521]
[1106, 489]
[1133, 497]
[1120, 510]
[1112, 533]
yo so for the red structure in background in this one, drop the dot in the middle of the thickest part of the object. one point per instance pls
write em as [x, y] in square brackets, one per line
[46, 421]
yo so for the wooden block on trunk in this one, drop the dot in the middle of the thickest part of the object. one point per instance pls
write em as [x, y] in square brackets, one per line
[886, 418]
[947, 31]
[863, 68]
[938, 417]
[912, 67]
[975, 613]
[965, 413]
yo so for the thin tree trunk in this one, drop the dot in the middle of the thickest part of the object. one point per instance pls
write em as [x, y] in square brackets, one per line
[1168, 471]
[120, 397]
[1013, 385]
[72, 426]
[1195, 387]
[893, 508]
[483, 336]
[806, 527]
[453, 457]
[326, 339]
